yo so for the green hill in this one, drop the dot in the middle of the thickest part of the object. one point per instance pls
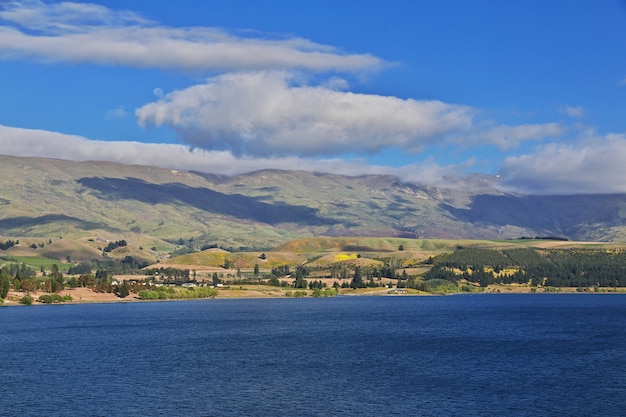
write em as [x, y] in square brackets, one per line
[176, 211]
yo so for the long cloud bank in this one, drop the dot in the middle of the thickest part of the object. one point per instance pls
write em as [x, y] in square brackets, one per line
[593, 165]
[91, 33]
[41, 143]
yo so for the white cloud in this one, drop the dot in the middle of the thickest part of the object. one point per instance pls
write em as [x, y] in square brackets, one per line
[263, 113]
[64, 17]
[89, 33]
[268, 113]
[507, 137]
[116, 113]
[433, 175]
[47, 144]
[590, 166]
[336, 83]
[594, 165]
[576, 112]
[261, 108]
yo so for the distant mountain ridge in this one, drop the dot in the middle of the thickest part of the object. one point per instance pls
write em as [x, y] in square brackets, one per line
[49, 197]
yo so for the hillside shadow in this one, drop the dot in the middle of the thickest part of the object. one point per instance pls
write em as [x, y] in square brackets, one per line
[557, 214]
[23, 222]
[205, 199]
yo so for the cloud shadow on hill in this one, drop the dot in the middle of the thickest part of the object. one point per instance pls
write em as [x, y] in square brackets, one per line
[24, 222]
[548, 214]
[205, 199]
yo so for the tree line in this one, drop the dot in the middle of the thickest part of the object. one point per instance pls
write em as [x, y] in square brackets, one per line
[546, 267]
[8, 244]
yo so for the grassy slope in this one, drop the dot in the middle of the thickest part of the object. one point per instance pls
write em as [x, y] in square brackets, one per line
[147, 206]
[358, 250]
[52, 197]
[244, 260]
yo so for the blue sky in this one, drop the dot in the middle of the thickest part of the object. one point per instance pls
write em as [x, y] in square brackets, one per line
[431, 91]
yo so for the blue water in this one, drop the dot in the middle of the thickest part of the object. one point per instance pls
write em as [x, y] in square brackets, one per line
[469, 355]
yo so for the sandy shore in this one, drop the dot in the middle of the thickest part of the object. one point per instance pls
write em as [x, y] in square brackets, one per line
[79, 295]
[86, 295]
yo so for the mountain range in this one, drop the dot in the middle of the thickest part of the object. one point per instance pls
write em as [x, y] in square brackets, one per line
[154, 206]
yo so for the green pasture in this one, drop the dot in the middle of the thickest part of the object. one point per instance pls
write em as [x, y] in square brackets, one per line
[36, 262]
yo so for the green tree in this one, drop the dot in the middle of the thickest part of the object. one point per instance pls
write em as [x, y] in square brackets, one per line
[300, 282]
[123, 290]
[86, 280]
[56, 279]
[28, 285]
[256, 270]
[5, 284]
[357, 280]
[274, 282]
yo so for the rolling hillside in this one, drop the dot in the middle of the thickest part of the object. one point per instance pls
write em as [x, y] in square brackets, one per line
[158, 208]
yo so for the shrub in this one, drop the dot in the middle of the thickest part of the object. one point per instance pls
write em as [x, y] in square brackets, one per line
[329, 292]
[166, 293]
[54, 298]
[440, 286]
[148, 295]
[26, 300]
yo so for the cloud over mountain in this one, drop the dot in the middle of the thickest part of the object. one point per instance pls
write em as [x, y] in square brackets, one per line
[594, 165]
[42, 143]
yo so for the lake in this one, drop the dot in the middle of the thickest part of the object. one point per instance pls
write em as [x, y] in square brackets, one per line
[462, 355]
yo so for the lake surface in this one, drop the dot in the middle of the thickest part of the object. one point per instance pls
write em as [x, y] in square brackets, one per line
[466, 355]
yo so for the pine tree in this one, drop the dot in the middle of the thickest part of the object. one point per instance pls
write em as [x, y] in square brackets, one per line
[5, 284]
[357, 280]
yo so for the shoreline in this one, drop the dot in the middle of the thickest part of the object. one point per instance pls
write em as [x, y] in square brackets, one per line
[88, 296]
